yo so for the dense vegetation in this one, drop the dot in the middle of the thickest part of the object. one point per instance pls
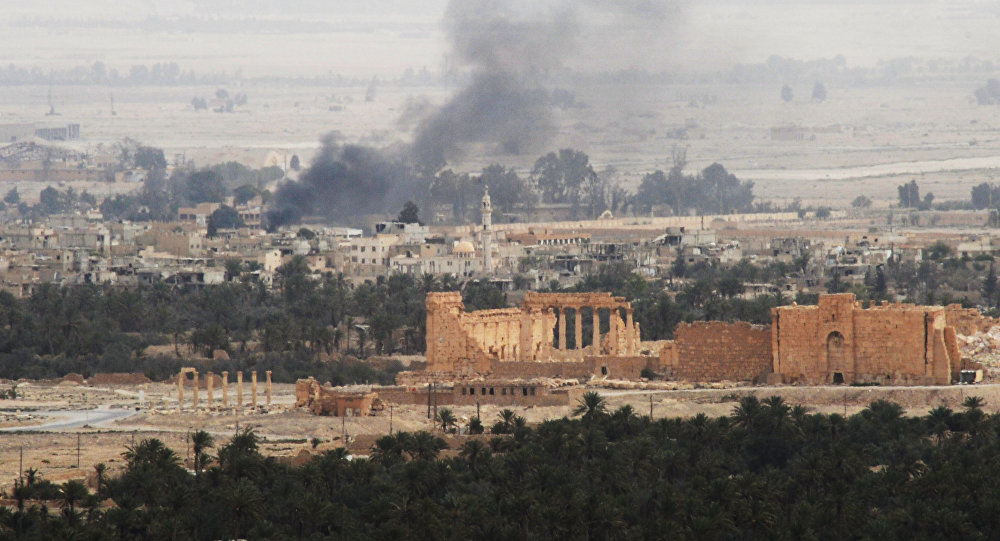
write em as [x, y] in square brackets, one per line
[767, 471]
[306, 316]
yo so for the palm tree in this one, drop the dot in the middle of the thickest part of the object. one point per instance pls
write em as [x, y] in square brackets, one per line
[748, 413]
[475, 426]
[974, 415]
[100, 469]
[939, 420]
[150, 452]
[72, 492]
[505, 422]
[200, 441]
[447, 419]
[973, 403]
[590, 405]
[244, 501]
[476, 453]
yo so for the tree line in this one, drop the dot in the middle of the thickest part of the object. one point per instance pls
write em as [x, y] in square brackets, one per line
[769, 470]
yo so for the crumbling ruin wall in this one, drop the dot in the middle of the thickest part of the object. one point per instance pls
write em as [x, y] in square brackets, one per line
[467, 343]
[968, 321]
[717, 351]
[416, 395]
[118, 378]
[508, 393]
[530, 369]
[328, 401]
[899, 346]
[464, 342]
[838, 341]
[620, 367]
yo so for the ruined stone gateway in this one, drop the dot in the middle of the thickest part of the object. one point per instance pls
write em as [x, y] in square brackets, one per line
[838, 341]
[582, 335]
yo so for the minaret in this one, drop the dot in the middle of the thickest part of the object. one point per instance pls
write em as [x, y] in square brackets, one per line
[487, 233]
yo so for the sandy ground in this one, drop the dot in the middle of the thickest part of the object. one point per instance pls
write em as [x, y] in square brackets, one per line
[287, 431]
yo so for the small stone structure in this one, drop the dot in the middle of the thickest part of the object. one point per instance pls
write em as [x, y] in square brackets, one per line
[325, 400]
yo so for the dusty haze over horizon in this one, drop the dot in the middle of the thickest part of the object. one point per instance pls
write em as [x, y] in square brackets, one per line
[386, 37]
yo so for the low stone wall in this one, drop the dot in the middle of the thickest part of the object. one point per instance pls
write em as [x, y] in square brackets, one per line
[118, 378]
[415, 395]
[531, 369]
[505, 393]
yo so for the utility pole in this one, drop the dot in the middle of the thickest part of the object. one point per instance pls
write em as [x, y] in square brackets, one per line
[428, 400]
[434, 388]
[478, 416]
[390, 419]
[20, 466]
[650, 406]
[78, 450]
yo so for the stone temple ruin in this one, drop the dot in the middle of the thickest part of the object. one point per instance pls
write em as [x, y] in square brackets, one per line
[484, 341]
[593, 335]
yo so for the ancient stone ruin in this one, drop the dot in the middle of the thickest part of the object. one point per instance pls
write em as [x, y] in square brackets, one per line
[586, 335]
[326, 400]
[467, 342]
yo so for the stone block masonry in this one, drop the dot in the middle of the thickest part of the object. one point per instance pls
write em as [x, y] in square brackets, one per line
[717, 351]
[838, 341]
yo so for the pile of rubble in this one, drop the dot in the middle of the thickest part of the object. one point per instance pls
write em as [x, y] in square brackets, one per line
[982, 347]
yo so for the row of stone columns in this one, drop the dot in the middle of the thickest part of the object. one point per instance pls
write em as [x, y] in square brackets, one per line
[628, 348]
[210, 388]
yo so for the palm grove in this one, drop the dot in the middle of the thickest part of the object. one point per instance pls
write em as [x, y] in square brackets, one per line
[768, 470]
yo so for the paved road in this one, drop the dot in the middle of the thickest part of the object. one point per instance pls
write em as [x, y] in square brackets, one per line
[64, 419]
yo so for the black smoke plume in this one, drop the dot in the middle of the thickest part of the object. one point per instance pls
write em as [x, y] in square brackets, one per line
[507, 47]
[345, 181]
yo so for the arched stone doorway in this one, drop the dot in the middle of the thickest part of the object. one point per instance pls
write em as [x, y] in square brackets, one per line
[836, 357]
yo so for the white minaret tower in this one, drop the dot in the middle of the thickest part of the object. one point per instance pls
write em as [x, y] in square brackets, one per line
[487, 233]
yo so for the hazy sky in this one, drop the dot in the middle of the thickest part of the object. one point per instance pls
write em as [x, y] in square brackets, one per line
[384, 37]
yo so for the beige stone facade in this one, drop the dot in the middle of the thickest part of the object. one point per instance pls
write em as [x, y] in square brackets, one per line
[838, 341]
[553, 335]
[547, 327]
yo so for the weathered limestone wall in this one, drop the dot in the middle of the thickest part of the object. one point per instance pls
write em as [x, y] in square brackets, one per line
[716, 351]
[467, 343]
[416, 395]
[531, 369]
[119, 378]
[620, 367]
[508, 393]
[839, 341]
[968, 321]
[328, 401]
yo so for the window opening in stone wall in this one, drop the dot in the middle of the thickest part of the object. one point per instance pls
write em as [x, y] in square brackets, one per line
[503, 392]
[524, 390]
[491, 391]
[532, 391]
[464, 391]
[483, 391]
[838, 378]
[604, 370]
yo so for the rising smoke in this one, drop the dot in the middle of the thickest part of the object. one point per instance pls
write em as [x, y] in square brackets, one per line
[343, 181]
[508, 48]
